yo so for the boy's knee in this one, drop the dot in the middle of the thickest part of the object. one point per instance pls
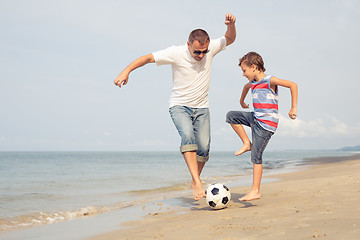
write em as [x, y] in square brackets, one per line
[230, 116]
[256, 154]
[256, 160]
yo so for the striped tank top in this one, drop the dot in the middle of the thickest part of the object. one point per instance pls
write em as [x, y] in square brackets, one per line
[265, 103]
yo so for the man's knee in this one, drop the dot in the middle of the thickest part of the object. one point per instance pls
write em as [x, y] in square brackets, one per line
[188, 148]
[187, 137]
[202, 159]
[203, 150]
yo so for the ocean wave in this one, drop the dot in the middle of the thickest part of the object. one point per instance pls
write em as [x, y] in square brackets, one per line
[40, 218]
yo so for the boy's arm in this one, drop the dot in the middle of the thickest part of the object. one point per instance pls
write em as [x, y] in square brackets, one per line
[293, 90]
[123, 77]
[243, 95]
[230, 34]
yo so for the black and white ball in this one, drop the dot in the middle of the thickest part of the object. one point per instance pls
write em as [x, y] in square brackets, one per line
[218, 196]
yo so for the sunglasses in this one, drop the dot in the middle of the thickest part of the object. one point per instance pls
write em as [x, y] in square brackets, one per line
[197, 52]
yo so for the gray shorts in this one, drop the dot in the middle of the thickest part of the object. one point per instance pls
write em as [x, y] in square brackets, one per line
[260, 136]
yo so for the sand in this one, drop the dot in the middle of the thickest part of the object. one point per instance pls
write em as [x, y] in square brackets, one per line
[319, 201]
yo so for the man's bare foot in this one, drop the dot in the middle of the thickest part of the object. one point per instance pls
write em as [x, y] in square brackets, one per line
[198, 191]
[245, 148]
[250, 196]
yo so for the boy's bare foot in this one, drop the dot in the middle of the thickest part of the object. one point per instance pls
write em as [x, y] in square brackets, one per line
[198, 191]
[244, 148]
[250, 196]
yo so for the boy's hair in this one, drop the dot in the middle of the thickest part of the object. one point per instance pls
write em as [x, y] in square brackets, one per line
[253, 58]
[200, 35]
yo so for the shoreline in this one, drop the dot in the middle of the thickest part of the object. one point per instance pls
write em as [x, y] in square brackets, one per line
[170, 211]
[317, 201]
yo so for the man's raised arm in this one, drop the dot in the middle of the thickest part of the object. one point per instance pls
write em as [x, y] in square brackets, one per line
[230, 34]
[123, 77]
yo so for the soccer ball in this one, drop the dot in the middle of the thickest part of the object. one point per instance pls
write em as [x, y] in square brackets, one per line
[218, 196]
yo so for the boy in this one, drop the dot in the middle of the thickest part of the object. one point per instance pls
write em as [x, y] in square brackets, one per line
[264, 120]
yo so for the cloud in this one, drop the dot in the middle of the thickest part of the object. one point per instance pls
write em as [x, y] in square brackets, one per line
[328, 127]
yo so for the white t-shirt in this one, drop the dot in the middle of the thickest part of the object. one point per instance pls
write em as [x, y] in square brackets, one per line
[191, 78]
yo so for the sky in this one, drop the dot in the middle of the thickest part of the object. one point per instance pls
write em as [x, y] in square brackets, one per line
[59, 59]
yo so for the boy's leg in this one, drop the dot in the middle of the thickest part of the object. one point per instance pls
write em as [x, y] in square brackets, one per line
[261, 138]
[255, 190]
[239, 129]
[236, 120]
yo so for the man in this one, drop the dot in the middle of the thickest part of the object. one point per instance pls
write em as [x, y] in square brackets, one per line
[189, 106]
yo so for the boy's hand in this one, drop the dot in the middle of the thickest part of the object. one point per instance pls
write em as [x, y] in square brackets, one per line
[244, 105]
[229, 19]
[292, 113]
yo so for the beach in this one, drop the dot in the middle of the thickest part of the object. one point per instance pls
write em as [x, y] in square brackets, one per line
[319, 201]
[305, 195]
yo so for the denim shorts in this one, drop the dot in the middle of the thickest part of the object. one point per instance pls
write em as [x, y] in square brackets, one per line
[260, 136]
[193, 125]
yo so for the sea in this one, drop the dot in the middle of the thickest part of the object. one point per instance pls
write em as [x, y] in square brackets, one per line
[39, 188]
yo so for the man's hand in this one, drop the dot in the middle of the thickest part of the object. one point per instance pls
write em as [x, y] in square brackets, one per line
[230, 34]
[121, 79]
[229, 19]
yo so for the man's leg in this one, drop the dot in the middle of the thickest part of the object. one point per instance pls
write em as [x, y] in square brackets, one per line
[195, 170]
[200, 167]
[201, 123]
[183, 120]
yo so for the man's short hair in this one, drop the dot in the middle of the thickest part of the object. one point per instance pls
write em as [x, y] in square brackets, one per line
[200, 35]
